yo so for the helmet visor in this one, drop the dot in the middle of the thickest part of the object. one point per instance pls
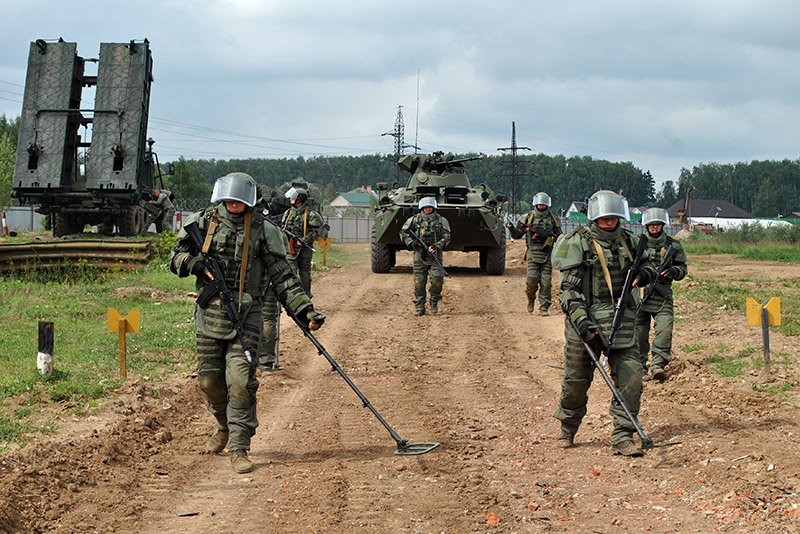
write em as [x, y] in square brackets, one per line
[607, 205]
[234, 188]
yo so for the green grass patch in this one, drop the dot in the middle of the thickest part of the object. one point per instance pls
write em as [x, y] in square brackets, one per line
[781, 391]
[85, 352]
[693, 348]
[337, 256]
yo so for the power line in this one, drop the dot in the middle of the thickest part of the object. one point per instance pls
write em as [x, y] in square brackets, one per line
[515, 161]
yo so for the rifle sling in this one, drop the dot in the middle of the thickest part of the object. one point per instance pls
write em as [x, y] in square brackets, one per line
[606, 274]
[245, 249]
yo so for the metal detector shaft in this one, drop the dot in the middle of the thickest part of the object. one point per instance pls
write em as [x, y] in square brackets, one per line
[277, 364]
[403, 446]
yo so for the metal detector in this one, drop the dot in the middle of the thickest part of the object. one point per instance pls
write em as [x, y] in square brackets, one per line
[647, 443]
[403, 446]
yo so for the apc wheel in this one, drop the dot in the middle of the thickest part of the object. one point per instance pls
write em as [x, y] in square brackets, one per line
[496, 259]
[381, 255]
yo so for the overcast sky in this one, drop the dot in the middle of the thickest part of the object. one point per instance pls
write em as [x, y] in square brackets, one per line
[663, 84]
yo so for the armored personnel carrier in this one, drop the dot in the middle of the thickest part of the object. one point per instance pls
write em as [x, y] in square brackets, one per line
[476, 220]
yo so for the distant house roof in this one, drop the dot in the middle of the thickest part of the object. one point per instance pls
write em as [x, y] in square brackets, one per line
[354, 200]
[577, 206]
[792, 215]
[708, 208]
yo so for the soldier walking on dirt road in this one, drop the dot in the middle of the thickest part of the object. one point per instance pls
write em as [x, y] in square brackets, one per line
[252, 256]
[305, 223]
[541, 228]
[594, 261]
[659, 304]
[434, 231]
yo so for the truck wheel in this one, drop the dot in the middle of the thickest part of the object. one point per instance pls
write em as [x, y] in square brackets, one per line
[496, 259]
[381, 255]
[106, 227]
[63, 224]
[482, 259]
[131, 221]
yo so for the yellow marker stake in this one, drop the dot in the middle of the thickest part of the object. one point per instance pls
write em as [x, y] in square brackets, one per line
[769, 315]
[123, 325]
[324, 243]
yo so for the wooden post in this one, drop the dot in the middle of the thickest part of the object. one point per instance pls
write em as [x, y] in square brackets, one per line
[44, 360]
[765, 335]
[123, 325]
[123, 349]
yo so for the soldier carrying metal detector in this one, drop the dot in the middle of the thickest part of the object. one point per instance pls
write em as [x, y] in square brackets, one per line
[595, 262]
[276, 365]
[600, 345]
[403, 446]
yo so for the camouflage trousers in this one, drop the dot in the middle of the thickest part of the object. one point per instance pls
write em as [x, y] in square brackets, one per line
[228, 381]
[424, 268]
[663, 317]
[269, 330]
[301, 265]
[626, 373]
[164, 221]
[540, 277]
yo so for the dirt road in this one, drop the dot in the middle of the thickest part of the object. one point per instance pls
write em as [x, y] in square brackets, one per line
[478, 378]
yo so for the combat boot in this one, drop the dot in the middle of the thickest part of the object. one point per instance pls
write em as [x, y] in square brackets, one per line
[627, 448]
[419, 312]
[531, 306]
[434, 308]
[544, 312]
[217, 441]
[659, 374]
[566, 439]
[240, 462]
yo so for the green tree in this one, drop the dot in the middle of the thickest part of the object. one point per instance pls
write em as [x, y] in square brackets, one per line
[7, 153]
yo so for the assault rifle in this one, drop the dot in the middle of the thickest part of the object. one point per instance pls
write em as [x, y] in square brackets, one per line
[301, 242]
[217, 286]
[422, 244]
[653, 286]
[619, 307]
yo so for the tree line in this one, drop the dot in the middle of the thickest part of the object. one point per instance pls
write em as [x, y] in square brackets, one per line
[763, 188]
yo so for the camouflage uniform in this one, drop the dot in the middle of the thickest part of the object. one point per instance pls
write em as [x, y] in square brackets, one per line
[588, 258]
[224, 375]
[541, 229]
[659, 305]
[163, 220]
[269, 306]
[434, 230]
[306, 224]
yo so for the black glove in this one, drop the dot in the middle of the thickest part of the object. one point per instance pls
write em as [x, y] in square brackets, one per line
[596, 344]
[196, 265]
[584, 327]
[673, 272]
[411, 246]
[646, 275]
[318, 318]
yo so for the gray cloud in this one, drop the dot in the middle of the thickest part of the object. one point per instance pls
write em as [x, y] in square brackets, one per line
[662, 84]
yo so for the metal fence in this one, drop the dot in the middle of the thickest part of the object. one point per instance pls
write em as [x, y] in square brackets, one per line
[342, 229]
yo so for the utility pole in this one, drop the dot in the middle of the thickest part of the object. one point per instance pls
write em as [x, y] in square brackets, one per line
[399, 137]
[514, 174]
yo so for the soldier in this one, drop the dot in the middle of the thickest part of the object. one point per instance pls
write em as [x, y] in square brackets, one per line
[434, 230]
[238, 236]
[166, 210]
[659, 304]
[305, 223]
[272, 207]
[541, 228]
[594, 262]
